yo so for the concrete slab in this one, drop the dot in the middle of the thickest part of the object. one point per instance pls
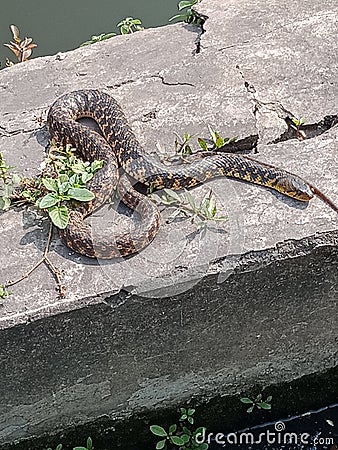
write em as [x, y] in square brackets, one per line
[252, 301]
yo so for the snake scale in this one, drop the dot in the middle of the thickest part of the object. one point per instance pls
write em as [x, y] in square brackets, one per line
[119, 149]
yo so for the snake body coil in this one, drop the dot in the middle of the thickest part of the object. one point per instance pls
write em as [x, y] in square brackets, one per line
[119, 148]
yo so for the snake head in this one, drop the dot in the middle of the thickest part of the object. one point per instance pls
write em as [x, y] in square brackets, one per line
[296, 187]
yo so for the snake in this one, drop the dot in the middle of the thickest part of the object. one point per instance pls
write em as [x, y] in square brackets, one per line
[126, 162]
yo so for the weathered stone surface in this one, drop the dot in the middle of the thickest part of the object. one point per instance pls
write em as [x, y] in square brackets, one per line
[252, 301]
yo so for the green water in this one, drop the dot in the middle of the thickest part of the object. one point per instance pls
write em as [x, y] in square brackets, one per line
[61, 25]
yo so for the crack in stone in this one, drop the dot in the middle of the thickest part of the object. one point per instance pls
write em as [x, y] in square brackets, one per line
[307, 131]
[161, 77]
[202, 18]
[200, 33]
[303, 132]
[6, 133]
[167, 83]
[245, 145]
[251, 91]
[121, 83]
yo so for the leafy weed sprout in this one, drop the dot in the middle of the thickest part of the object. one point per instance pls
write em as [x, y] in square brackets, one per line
[258, 402]
[186, 207]
[62, 181]
[9, 180]
[297, 124]
[216, 142]
[180, 435]
[89, 446]
[189, 15]
[127, 26]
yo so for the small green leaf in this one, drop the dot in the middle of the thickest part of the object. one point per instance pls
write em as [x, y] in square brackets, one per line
[187, 150]
[50, 184]
[63, 187]
[5, 203]
[219, 141]
[161, 444]
[185, 4]
[158, 431]
[208, 204]
[172, 194]
[246, 400]
[15, 179]
[81, 194]
[203, 446]
[85, 177]
[190, 420]
[190, 199]
[249, 410]
[268, 400]
[63, 178]
[172, 428]
[48, 200]
[4, 292]
[59, 216]
[185, 438]
[264, 405]
[202, 144]
[178, 16]
[213, 134]
[177, 440]
[107, 36]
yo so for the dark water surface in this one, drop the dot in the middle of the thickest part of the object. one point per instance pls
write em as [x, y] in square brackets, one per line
[61, 25]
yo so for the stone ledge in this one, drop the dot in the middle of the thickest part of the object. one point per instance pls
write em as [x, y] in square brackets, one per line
[232, 305]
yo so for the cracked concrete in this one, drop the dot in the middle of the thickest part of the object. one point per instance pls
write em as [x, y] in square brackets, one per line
[110, 348]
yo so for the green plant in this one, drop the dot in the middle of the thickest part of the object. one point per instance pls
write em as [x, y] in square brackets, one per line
[216, 139]
[63, 180]
[22, 49]
[130, 25]
[67, 181]
[98, 38]
[182, 435]
[182, 146]
[297, 124]
[4, 292]
[89, 446]
[9, 180]
[257, 402]
[186, 206]
[58, 447]
[127, 26]
[189, 16]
